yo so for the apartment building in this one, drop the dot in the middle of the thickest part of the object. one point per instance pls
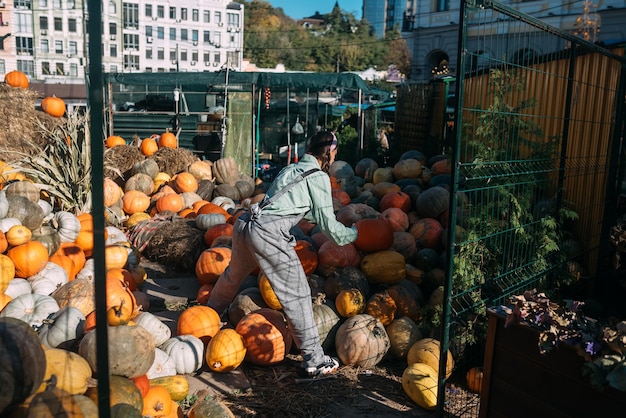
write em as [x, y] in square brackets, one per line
[47, 39]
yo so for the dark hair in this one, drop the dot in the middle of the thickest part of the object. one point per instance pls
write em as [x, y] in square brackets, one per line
[319, 147]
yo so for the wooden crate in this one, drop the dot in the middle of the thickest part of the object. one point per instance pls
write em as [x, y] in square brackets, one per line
[520, 382]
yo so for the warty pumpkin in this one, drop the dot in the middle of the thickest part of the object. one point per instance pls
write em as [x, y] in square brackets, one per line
[381, 306]
[350, 302]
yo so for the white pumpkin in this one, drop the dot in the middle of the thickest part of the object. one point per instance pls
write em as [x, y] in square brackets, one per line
[63, 329]
[7, 223]
[45, 206]
[4, 204]
[224, 202]
[17, 287]
[115, 236]
[30, 308]
[67, 225]
[49, 279]
[88, 271]
[163, 365]
[187, 352]
[205, 221]
[159, 330]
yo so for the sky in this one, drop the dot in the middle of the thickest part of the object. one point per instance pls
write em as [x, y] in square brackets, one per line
[297, 9]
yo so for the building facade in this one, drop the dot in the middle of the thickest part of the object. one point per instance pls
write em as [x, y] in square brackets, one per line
[47, 39]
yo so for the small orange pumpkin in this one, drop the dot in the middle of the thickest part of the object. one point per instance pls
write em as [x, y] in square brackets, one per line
[16, 79]
[54, 106]
[211, 263]
[135, 201]
[148, 146]
[217, 231]
[168, 140]
[29, 258]
[350, 302]
[157, 402]
[171, 201]
[114, 141]
[200, 321]
[185, 182]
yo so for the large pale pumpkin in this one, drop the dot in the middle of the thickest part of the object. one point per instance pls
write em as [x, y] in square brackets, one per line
[226, 351]
[427, 351]
[362, 341]
[131, 350]
[71, 370]
[31, 308]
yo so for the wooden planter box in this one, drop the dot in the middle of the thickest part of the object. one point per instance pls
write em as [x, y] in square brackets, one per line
[520, 382]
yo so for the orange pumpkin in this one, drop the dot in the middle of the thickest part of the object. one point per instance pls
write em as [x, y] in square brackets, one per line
[112, 192]
[4, 244]
[200, 321]
[85, 236]
[119, 295]
[135, 201]
[307, 255]
[4, 300]
[266, 336]
[124, 276]
[148, 146]
[157, 402]
[66, 263]
[168, 140]
[187, 213]
[217, 231]
[399, 200]
[7, 272]
[143, 384]
[474, 378]
[171, 201]
[16, 79]
[114, 141]
[185, 182]
[375, 234]
[54, 106]
[29, 258]
[212, 263]
[211, 207]
[73, 251]
[340, 197]
[203, 294]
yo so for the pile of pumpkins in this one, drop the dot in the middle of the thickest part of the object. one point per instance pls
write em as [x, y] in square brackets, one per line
[52, 105]
[367, 296]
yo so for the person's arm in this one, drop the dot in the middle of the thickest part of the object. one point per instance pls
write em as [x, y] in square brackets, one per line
[322, 212]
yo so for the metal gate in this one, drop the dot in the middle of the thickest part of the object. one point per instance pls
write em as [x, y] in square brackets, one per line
[536, 170]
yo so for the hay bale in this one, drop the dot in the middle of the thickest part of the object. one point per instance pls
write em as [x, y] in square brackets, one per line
[119, 161]
[173, 160]
[176, 244]
[21, 124]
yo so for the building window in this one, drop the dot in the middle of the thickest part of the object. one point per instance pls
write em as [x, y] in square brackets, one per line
[24, 45]
[172, 12]
[233, 58]
[73, 48]
[172, 34]
[131, 62]
[217, 38]
[24, 22]
[148, 30]
[195, 15]
[71, 25]
[113, 68]
[184, 35]
[194, 35]
[22, 4]
[183, 13]
[27, 67]
[206, 16]
[206, 37]
[58, 24]
[112, 28]
[148, 10]
[131, 15]
[45, 46]
[59, 68]
[443, 5]
[43, 22]
[148, 69]
[194, 55]
[149, 53]
[112, 8]
[160, 32]
[56, 4]
[45, 68]
[232, 19]
[160, 54]
[216, 57]
[183, 55]
[43, 3]
[71, 4]
[218, 17]
[207, 57]
[131, 41]
[160, 11]
[113, 50]
[173, 54]
[58, 47]
[74, 70]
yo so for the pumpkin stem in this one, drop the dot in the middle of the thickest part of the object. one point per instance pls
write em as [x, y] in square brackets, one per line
[320, 299]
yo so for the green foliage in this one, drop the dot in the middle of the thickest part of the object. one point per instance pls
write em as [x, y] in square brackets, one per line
[63, 168]
[340, 43]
